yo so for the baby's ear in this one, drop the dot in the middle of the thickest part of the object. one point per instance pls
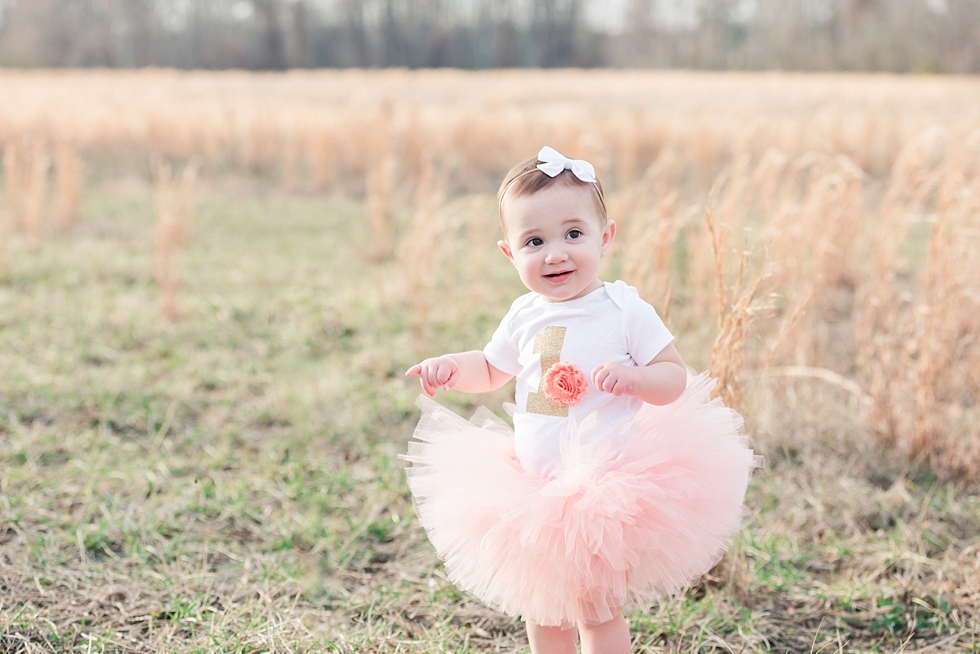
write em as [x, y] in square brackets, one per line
[608, 232]
[506, 250]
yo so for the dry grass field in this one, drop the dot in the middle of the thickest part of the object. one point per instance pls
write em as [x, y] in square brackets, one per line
[211, 284]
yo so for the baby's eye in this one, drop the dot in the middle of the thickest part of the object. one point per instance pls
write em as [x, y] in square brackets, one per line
[535, 242]
[575, 233]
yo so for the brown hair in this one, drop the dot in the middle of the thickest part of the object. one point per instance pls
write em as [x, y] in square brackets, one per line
[526, 179]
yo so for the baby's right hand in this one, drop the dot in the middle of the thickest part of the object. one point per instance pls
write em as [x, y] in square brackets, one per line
[437, 372]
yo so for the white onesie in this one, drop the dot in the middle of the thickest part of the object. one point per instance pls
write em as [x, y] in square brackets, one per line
[609, 324]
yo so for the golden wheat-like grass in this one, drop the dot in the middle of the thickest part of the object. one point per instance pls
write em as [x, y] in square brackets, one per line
[837, 244]
[36, 191]
[14, 179]
[175, 209]
[67, 186]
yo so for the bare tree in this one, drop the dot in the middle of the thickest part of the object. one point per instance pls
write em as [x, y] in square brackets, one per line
[300, 29]
[888, 35]
[554, 33]
[272, 37]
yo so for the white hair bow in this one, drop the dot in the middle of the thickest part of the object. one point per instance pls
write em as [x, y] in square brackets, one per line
[553, 162]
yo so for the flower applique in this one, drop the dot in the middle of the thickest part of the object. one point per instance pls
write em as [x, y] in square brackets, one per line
[565, 384]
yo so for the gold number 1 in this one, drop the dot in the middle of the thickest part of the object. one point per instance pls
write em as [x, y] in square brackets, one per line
[548, 344]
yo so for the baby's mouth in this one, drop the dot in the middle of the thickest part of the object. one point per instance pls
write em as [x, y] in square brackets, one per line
[559, 276]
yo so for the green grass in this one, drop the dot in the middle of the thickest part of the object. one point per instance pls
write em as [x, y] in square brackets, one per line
[229, 482]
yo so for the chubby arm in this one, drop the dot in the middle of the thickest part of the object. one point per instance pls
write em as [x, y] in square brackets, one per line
[469, 372]
[659, 382]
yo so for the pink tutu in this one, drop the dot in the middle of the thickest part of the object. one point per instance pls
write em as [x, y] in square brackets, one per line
[640, 513]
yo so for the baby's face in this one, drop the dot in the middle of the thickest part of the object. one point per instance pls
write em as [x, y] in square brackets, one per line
[555, 239]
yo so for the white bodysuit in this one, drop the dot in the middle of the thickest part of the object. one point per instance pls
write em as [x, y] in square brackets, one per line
[610, 324]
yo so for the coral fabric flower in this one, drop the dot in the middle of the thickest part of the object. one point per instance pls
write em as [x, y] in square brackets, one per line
[564, 384]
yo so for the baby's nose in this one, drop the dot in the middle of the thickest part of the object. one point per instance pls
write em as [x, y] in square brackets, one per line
[556, 255]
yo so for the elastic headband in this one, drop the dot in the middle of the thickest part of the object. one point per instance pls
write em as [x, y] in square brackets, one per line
[554, 162]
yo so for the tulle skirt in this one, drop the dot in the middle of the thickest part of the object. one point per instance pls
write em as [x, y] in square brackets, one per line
[638, 514]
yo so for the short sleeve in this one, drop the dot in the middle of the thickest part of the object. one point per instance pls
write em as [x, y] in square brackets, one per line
[502, 351]
[646, 334]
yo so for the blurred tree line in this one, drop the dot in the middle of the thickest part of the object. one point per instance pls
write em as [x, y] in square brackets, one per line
[885, 35]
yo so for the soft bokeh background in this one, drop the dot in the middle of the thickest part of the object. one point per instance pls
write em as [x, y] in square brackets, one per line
[871, 35]
[211, 283]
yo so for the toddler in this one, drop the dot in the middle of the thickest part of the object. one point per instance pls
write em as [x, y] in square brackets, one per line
[619, 478]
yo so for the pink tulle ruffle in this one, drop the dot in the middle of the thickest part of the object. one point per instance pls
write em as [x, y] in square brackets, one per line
[643, 512]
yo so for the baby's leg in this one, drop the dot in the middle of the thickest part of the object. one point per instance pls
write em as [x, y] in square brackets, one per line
[611, 637]
[550, 640]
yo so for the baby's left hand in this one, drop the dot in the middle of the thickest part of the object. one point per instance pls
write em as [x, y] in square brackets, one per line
[615, 378]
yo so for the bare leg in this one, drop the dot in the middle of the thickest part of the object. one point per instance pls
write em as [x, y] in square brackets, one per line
[550, 640]
[611, 637]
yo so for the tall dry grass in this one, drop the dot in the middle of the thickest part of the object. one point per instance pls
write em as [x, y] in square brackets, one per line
[326, 128]
[175, 209]
[4, 266]
[836, 243]
[738, 307]
[651, 219]
[427, 228]
[36, 191]
[17, 168]
[808, 284]
[919, 350]
[68, 167]
[8, 209]
[28, 162]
